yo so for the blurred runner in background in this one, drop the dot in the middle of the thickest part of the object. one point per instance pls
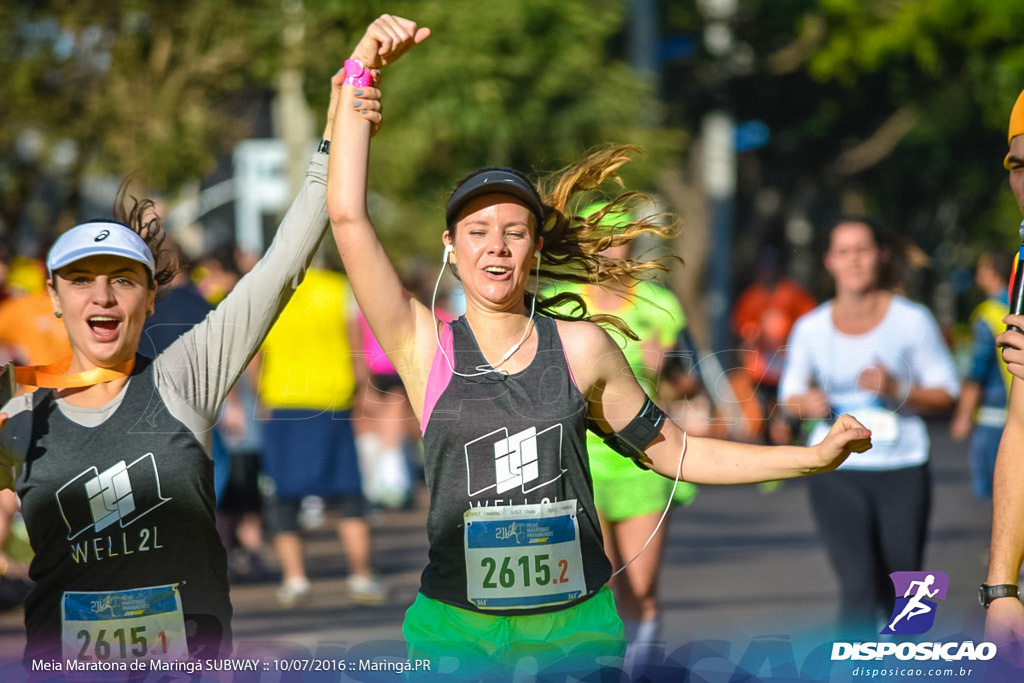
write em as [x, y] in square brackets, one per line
[307, 382]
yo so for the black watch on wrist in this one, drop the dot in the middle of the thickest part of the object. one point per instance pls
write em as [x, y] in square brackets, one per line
[986, 593]
[324, 147]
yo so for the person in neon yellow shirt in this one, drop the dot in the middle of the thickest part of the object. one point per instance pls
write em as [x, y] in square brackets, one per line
[307, 382]
[631, 501]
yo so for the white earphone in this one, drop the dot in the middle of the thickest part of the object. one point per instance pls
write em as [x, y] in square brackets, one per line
[481, 370]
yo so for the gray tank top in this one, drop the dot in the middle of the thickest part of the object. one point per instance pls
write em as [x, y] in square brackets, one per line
[122, 498]
[495, 442]
[126, 505]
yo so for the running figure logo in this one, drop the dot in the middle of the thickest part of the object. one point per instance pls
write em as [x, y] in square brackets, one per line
[914, 612]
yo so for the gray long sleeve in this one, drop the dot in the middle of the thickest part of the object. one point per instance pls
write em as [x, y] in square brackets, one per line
[196, 372]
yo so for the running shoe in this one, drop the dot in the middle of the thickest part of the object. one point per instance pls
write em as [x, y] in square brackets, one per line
[293, 592]
[366, 590]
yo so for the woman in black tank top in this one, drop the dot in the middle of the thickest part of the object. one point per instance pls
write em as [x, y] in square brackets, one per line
[513, 548]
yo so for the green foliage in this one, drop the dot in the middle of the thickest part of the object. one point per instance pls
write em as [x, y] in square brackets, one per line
[528, 84]
[162, 90]
[828, 76]
[961, 63]
[130, 87]
[936, 39]
[154, 88]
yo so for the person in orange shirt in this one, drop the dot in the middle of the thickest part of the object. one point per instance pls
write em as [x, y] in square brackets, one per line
[29, 334]
[29, 330]
[762, 318]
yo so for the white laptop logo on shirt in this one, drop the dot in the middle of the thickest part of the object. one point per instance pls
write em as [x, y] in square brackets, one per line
[120, 494]
[505, 462]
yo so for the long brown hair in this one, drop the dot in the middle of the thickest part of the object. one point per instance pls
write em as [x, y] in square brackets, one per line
[140, 215]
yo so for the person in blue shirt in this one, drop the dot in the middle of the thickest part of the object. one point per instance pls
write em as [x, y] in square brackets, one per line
[981, 410]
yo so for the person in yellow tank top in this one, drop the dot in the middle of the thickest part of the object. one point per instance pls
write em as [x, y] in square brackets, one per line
[307, 357]
[307, 383]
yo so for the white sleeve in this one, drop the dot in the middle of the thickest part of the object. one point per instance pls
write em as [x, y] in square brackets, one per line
[798, 370]
[196, 372]
[931, 363]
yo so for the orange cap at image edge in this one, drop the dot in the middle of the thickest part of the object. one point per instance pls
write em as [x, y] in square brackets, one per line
[1016, 124]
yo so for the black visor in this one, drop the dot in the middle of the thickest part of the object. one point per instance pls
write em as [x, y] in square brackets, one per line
[495, 181]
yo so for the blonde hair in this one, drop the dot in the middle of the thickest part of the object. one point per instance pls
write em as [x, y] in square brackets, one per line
[573, 243]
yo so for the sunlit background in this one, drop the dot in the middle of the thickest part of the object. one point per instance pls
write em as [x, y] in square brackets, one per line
[760, 119]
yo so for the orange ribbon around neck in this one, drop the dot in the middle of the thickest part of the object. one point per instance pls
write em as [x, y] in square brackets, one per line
[54, 376]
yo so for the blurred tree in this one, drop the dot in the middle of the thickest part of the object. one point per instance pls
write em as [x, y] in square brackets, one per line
[154, 88]
[893, 108]
[530, 84]
[946, 73]
[127, 87]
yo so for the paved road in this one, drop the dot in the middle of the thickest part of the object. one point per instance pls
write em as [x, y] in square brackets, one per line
[744, 577]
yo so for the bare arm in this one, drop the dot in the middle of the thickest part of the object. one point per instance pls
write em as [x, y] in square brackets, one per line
[404, 327]
[963, 419]
[812, 405]
[197, 371]
[1005, 620]
[920, 399]
[928, 400]
[614, 398]
[8, 510]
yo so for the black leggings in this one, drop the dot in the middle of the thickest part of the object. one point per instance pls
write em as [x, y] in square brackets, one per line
[872, 523]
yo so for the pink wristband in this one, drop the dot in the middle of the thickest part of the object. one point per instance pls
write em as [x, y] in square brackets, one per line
[356, 74]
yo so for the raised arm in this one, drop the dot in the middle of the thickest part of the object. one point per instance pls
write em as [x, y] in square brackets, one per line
[403, 326]
[198, 370]
[614, 398]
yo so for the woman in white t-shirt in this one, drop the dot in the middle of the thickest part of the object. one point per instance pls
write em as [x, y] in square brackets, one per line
[880, 357]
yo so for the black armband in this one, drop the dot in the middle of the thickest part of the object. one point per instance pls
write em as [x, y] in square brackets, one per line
[634, 438]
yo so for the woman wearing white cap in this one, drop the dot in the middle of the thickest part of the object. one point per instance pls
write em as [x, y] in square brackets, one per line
[112, 460]
[516, 572]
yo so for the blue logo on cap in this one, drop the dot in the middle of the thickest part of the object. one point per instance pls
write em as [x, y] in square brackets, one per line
[102, 236]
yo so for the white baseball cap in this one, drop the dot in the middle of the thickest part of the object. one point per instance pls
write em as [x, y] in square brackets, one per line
[97, 238]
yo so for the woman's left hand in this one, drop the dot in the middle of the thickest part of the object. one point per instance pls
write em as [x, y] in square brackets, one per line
[366, 103]
[846, 436]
